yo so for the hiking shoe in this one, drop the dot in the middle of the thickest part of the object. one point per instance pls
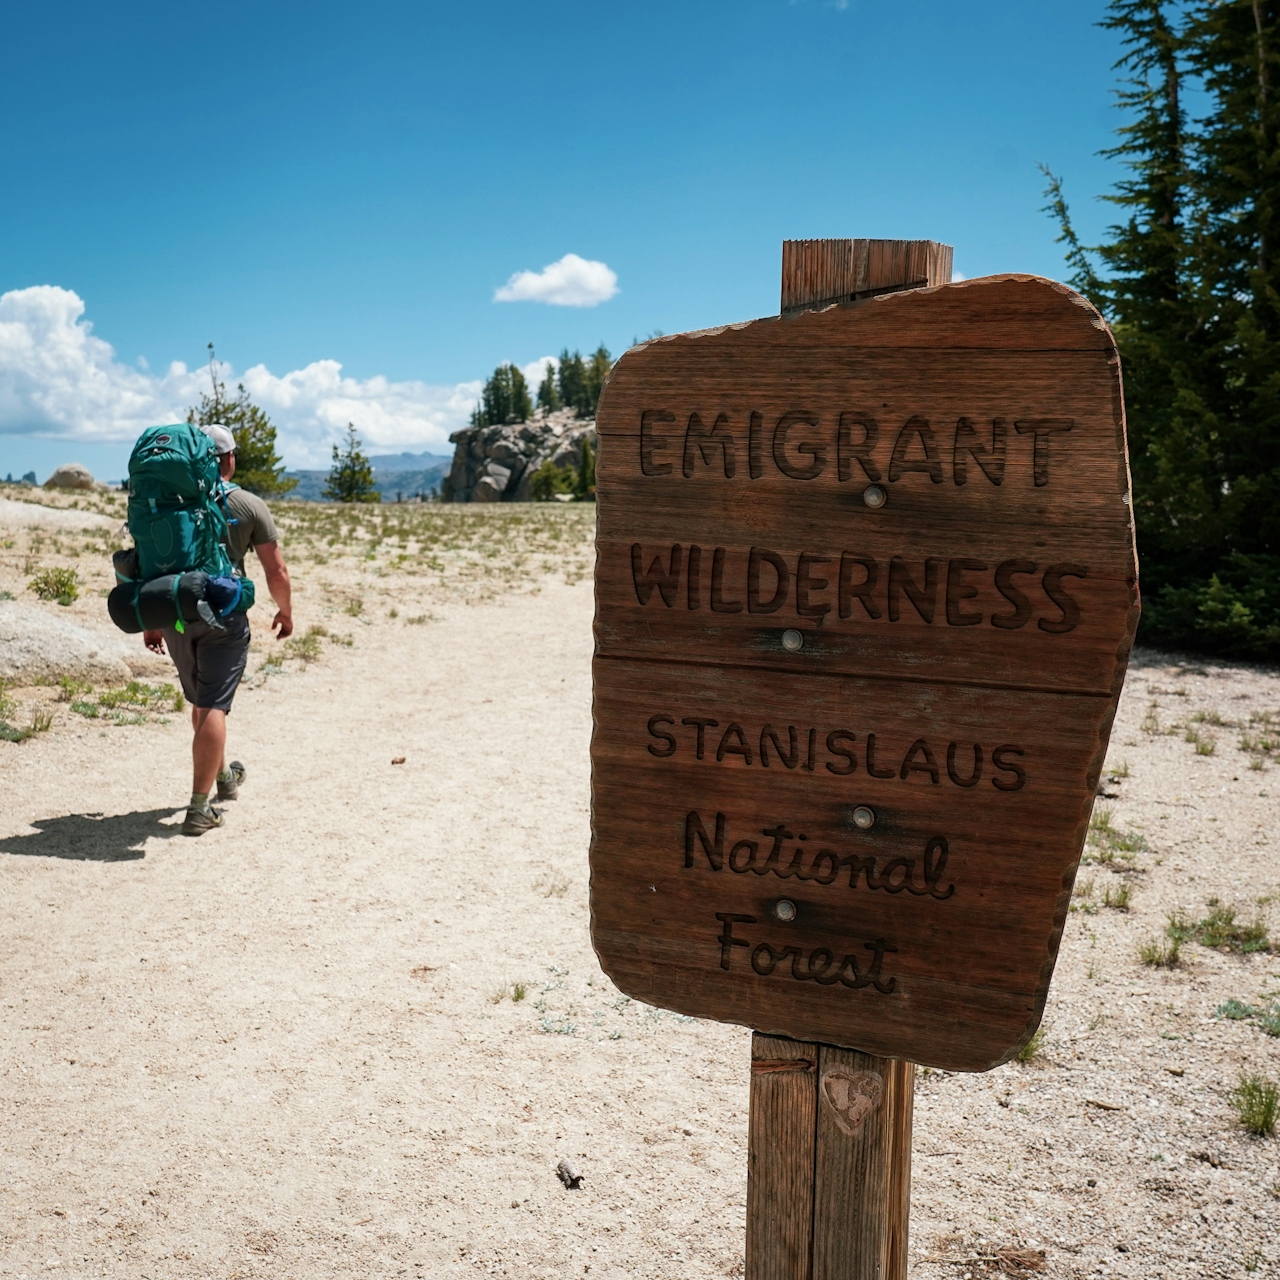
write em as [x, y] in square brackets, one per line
[231, 790]
[198, 821]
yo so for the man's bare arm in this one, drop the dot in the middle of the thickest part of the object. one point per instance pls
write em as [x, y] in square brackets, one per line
[278, 584]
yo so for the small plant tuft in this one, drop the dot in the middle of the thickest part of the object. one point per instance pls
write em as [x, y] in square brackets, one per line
[1255, 1101]
[1033, 1046]
[1107, 842]
[1235, 1010]
[130, 704]
[306, 647]
[70, 689]
[1220, 928]
[1117, 897]
[1082, 897]
[62, 585]
[1160, 953]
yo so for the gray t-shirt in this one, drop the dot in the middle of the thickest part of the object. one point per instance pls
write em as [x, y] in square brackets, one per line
[251, 525]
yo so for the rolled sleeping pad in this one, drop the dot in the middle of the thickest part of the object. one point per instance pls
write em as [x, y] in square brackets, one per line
[163, 602]
[176, 599]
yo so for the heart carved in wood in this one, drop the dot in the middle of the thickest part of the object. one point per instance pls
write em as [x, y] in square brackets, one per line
[852, 1096]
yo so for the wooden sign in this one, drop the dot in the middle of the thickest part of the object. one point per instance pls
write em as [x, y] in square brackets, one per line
[865, 594]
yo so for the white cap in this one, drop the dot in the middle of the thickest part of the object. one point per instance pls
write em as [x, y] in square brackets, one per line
[223, 440]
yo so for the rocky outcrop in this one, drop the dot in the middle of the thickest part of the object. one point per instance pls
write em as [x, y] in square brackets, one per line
[71, 475]
[497, 464]
[31, 515]
[39, 647]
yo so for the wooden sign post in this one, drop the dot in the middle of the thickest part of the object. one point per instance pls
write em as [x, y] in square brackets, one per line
[865, 594]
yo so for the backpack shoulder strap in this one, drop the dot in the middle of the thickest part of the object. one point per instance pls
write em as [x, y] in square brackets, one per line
[221, 493]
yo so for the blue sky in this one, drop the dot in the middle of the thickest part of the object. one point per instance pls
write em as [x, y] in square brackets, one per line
[312, 186]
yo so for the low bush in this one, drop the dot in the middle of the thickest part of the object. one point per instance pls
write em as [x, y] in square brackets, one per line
[62, 585]
[306, 647]
[549, 480]
[1220, 928]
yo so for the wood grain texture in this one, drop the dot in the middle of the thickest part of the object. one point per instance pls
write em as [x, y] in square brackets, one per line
[780, 1163]
[962, 647]
[902, 1077]
[817, 273]
[851, 1180]
[829, 1163]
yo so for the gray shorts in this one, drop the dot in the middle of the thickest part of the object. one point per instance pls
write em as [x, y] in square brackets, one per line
[210, 662]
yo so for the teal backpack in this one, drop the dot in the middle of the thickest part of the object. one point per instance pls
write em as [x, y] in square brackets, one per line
[174, 516]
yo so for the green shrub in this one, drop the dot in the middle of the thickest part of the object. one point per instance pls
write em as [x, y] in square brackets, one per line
[549, 480]
[69, 689]
[1235, 1010]
[1255, 1101]
[1220, 928]
[61, 585]
[306, 647]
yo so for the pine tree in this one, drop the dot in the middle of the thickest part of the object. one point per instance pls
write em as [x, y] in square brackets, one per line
[597, 372]
[1153, 295]
[548, 392]
[259, 468]
[505, 398]
[1191, 285]
[572, 379]
[584, 486]
[351, 476]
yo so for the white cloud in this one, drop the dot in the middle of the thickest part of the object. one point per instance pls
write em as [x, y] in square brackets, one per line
[58, 380]
[536, 370]
[571, 282]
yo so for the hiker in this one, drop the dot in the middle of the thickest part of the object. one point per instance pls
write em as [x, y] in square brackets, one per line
[211, 660]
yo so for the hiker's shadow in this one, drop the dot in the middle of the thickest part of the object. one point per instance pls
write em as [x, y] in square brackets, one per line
[90, 837]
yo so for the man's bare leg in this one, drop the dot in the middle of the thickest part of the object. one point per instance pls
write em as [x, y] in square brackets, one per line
[208, 749]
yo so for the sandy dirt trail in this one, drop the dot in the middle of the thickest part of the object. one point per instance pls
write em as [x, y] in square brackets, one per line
[290, 1048]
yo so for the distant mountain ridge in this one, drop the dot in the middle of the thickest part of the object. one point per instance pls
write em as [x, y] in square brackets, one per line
[407, 474]
[408, 461]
